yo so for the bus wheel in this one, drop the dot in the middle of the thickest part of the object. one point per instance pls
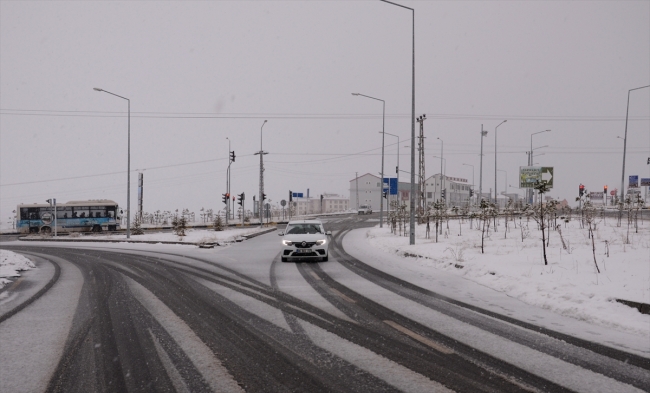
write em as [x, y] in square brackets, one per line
[97, 228]
[46, 230]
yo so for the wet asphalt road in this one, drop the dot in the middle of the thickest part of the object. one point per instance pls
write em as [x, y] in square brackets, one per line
[177, 321]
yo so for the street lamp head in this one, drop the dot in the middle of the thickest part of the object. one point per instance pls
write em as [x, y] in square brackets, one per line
[355, 94]
[265, 121]
[97, 89]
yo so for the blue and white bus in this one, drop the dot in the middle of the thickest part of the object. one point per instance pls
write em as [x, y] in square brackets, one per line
[74, 216]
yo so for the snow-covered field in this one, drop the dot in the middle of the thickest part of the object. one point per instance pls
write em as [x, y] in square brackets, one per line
[569, 285]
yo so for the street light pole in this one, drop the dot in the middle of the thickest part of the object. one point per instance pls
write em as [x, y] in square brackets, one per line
[505, 184]
[412, 198]
[442, 179]
[381, 183]
[627, 112]
[480, 175]
[228, 185]
[128, 167]
[495, 161]
[396, 168]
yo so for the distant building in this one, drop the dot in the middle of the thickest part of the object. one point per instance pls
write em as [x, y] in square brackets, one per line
[456, 189]
[331, 203]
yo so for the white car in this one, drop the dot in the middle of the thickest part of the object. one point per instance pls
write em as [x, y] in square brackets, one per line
[305, 239]
[365, 209]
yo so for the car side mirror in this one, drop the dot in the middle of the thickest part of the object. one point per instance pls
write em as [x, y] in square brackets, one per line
[281, 234]
[328, 233]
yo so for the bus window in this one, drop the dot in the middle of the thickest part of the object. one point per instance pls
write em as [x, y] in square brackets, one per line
[97, 211]
[80, 211]
[63, 212]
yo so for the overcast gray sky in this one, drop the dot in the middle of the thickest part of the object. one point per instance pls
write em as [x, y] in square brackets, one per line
[200, 72]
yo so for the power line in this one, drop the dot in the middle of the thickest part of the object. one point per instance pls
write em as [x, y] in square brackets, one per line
[299, 116]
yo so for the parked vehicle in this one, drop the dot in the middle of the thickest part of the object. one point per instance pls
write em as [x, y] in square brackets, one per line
[365, 209]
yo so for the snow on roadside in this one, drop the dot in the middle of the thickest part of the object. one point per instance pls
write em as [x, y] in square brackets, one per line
[568, 285]
[191, 236]
[12, 263]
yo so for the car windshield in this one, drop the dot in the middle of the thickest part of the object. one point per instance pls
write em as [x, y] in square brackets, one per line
[301, 229]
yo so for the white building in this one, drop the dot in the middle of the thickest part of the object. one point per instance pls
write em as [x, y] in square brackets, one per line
[456, 189]
[369, 192]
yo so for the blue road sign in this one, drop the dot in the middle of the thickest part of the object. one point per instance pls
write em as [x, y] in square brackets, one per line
[391, 182]
[297, 195]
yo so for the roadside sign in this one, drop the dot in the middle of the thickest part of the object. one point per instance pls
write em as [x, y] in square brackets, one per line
[297, 194]
[283, 203]
[391, 182]
[530, 175]
[645, 181]
[633, 182]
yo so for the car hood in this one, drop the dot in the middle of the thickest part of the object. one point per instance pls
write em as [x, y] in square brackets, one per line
[305, 237]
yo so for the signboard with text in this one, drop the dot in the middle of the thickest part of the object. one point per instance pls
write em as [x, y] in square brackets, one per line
[529, 176]
[645, 181]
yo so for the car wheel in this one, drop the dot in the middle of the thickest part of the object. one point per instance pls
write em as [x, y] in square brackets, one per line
[283, 259]
[326, 258]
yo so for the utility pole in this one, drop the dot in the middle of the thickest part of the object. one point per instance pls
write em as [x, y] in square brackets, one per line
[260, 202]
[422, 197]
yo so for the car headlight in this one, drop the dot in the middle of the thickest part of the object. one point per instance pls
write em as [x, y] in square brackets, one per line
[320, 242]
[287, 242]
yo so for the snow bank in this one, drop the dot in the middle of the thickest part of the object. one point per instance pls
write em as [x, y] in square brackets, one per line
[12, 263]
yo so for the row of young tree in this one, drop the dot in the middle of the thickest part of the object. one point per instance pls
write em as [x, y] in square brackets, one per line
[545, 215]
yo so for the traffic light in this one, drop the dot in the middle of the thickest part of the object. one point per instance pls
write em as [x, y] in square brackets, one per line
[241, 199]
[443, 194]
[471, 193]
[581, 190]
[232, 156]
[224, 198]
[263, 196]
[290, 196]
[605, 190]
[385, 193]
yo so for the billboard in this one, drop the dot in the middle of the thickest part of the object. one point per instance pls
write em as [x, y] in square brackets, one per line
[633, 182]
[530, 175]
[645, 181]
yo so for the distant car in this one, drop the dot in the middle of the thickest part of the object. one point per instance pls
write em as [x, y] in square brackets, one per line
[365, 209]
[305, 239]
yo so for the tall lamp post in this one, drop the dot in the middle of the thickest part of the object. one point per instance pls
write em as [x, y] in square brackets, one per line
[627, 112]
[128, 167]
[480, 171]
[442, 174]
[442, 178]
[412, 197]
[495, 160]
[530, 163]
[472, 174]
[505, 183]
[397, 167]
[260, 206]
[228, 184]
[381, 183]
